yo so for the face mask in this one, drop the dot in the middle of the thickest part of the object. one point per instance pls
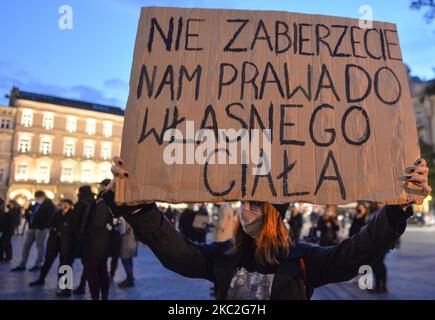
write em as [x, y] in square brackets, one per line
[251, 221]
[328, 213]
[359, 210]
[39, 200]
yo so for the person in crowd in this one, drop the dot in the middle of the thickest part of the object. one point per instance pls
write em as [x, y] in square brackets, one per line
[296, 223]
[176, 216]
[115, 246]
[94, 242]
[200, 224]
[379, 267]
[224, 226]
[27, 217]
[312, 236]
[42, 212]
[374, 207]
[262, 261]
[7, 228]
[127, 253]
[360, 219]
[328, 227]
[15, 210]
[82, 208]
[170, 215]
[59, 243]
[185, 223]
[315, 216]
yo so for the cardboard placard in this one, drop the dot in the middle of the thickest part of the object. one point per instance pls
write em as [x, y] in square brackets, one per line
[323, 108]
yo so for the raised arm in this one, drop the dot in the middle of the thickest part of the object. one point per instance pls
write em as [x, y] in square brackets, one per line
[342, 262]
[174, 251]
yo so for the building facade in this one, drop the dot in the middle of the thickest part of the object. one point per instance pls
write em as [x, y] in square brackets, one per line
[424, 107]
[60, 144]
[7, 123]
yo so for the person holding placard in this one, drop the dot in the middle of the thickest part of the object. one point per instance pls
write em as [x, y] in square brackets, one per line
[261, 261]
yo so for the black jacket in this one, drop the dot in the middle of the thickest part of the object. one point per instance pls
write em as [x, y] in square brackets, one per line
[96, 238]
[296, 223]
[56, 220]
[357, 224]
[60, 236]
[82, 210]
[64, 225]
[328, 227]
[67, 229]
[16, 216]
[41, 219]
[7, 222]
[323, 265]
[185, 223]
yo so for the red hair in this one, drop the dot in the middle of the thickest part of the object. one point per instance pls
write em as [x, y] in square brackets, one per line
[273, 241]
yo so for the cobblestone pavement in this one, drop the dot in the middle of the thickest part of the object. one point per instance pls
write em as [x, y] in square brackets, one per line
[411, 271]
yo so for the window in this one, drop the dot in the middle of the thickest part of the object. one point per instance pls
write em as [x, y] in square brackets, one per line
[87, 174]
[27, 117]
[45, 147]
[24, 143]
[48, 121]
[67, 173]
[107, 129]
[69, 147]
[5, 123]
[106, 150]
[46, 143]
[90, 126]
[89, 147]
[21, 172]
[71, 124]
[104, 171]
[43, 175]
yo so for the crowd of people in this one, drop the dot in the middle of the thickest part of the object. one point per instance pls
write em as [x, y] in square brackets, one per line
[83, 230]
[323, 227]
[264, 257]
[87, 230]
